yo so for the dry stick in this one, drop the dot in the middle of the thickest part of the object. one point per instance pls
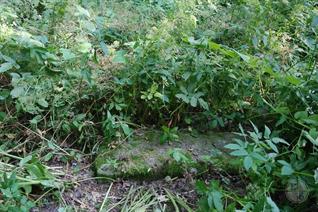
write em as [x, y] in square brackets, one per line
[106, 196]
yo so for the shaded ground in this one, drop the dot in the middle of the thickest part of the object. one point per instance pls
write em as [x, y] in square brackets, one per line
[88, 193]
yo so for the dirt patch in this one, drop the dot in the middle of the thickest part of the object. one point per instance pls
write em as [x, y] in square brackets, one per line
[87, 193]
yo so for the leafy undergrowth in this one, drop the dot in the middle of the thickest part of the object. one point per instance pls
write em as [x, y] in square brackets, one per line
[76, 74]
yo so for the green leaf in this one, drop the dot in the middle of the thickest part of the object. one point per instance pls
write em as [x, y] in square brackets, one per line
[241, 152]
[5, 67]
[273, 205]
[214, 46]
[273, 146]
[233, 146]
[267, 132]
[244, 57]
[287, 170]
[311, 139]
[104, 48]
[203, 104]
[293, 80]
[25, 160]
[17, 92]
[183, 97]
[82, 11]
[248, 162]
[316, 175]
[3, 115]
[312, 120]
[42, 102]
[84, 47]
[194, 101]
[126, 129]
[119, 57]
[277, 140]
[217, 200]
[301, 115]
[67, 54]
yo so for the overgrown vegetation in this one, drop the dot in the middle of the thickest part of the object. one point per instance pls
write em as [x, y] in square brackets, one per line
[75, 74]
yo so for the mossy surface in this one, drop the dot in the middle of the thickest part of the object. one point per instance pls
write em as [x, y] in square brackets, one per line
[143, 157]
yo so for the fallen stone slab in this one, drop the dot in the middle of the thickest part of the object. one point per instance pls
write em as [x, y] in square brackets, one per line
[143, 157]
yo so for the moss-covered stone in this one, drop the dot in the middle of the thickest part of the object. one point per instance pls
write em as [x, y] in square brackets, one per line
[143, 157]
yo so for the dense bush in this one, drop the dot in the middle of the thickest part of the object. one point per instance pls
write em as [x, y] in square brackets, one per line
[77, 70]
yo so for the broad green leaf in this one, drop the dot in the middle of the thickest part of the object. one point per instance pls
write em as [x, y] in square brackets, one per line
[233, 146]
[25, 160]
[241, 152]
[194, 101]
[104, 48]
[3, 115]
[248, 162]
[257, 156]
[84, 47]
[183, 97]
[272, 204]
[311, 139]
[81, 11]
[5, 67]
[312, 120]
[277, 140]
[293, 80]
[301, 115]
[273, 146]
[214, 46]
[119, 57]
[42, 102]
[203, 104]
[244, 57]
[126, 129]
[267, 132]
[287, 170]
[217, 200]
[17, 92]
[67, 54]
